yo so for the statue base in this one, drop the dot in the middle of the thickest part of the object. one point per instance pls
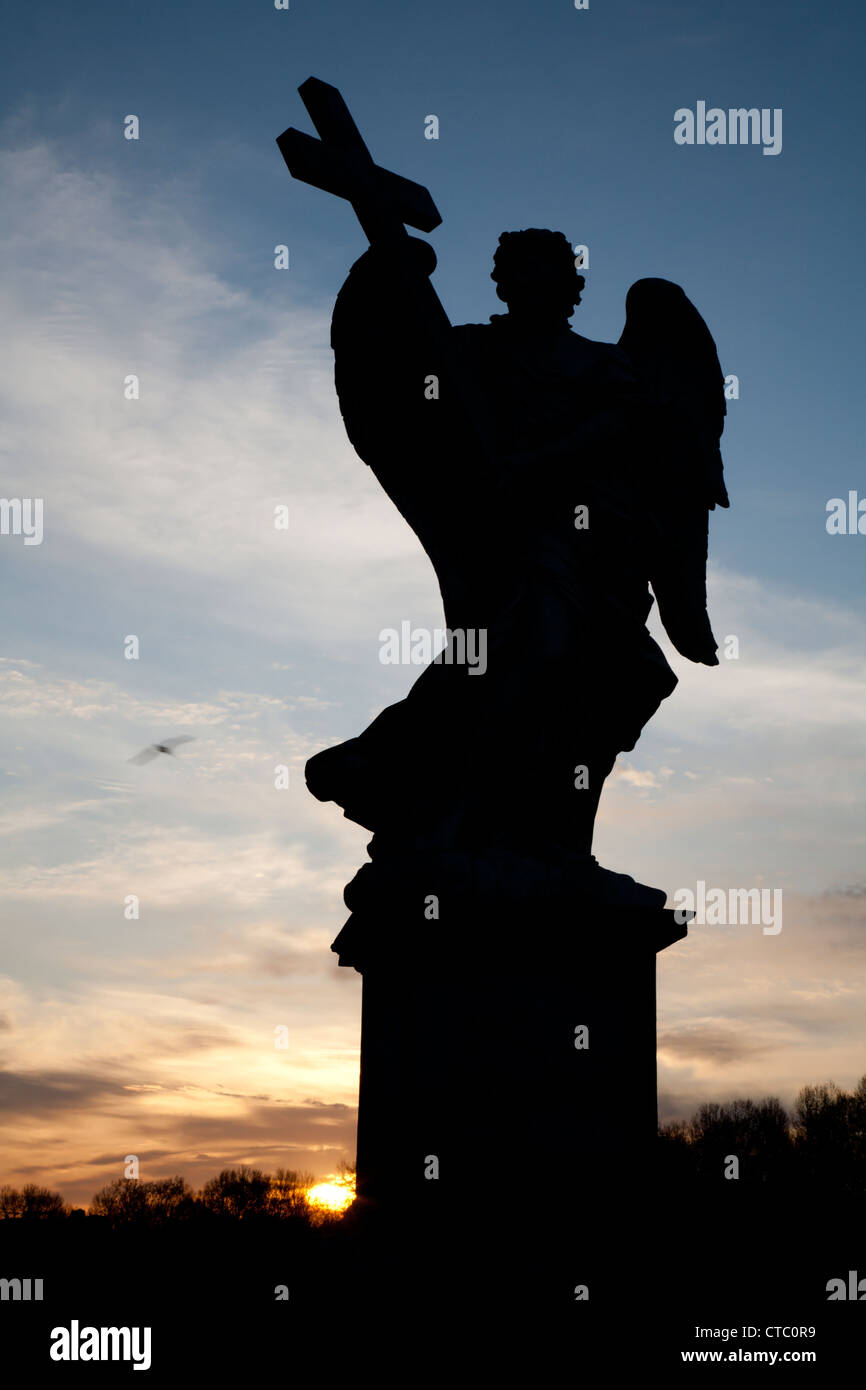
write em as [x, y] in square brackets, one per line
[508, 1066]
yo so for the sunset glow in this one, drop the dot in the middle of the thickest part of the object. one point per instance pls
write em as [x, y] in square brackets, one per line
[334, 1195]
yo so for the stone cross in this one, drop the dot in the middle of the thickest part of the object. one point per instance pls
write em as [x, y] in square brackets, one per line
[340, 163]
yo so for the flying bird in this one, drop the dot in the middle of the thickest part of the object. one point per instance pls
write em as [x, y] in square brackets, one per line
[155, 749]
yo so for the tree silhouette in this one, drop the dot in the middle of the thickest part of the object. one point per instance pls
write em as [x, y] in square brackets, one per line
[11, 1203]
[32, 1203]
[830, 1135]
[240, 1193]
[120, 1202]
[287, 1198]
[168, 1199]
[755, 1132]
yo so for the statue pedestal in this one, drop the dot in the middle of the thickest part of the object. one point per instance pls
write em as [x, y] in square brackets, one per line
[508, 1068]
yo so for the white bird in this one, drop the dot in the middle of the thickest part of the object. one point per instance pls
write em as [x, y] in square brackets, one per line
[155, 749]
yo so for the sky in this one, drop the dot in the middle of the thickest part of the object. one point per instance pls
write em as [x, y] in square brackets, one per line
[155, 257]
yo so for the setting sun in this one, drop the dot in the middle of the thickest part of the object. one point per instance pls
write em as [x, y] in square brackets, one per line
[336, 1194]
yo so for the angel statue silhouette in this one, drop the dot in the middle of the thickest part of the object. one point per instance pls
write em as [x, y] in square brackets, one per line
[557, 484]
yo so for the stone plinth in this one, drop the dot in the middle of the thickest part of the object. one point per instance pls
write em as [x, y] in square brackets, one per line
[513, 1055]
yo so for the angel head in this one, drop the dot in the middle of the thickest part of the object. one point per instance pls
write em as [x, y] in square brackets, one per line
[535, 275]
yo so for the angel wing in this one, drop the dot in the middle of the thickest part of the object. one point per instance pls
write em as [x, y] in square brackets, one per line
[683, 390]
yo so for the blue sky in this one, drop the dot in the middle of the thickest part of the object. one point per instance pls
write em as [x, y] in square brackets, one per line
[156, 257]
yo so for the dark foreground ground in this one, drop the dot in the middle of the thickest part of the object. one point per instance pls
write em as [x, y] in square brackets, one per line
[470, 1306]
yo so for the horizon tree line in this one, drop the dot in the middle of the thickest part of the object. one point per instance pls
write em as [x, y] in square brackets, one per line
[820, 1144]
[235, 1194]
